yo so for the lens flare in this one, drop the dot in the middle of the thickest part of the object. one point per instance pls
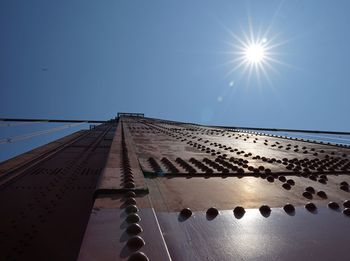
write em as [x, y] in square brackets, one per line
[254, 55]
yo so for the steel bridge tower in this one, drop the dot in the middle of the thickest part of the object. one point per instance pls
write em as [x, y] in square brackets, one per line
[138, 188]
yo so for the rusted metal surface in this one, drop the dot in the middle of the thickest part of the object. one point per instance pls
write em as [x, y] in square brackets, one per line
[300, 235]
[122, 171]
[23, 161]
[282, 167]
[175, 193]
[195, 168]
[164, 150]
[159, 190]
[122, 227]
[232, 153]
[45, 210]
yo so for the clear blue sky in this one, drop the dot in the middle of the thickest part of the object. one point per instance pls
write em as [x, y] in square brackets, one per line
[169, 59]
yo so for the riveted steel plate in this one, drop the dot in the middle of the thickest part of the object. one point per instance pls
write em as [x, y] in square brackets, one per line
[45, 209]
[122, 162]
[322, 235]
[106, 237]
[161, 168]
[197, 193]
[168, 149]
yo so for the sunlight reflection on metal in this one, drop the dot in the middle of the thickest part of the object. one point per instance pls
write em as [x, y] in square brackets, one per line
[252, 240]
[249, 187]
[255, 237]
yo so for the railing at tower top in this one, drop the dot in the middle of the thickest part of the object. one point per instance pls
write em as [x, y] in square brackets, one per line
[127, 114]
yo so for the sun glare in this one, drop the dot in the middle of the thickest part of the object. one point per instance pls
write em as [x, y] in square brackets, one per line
[254, 53]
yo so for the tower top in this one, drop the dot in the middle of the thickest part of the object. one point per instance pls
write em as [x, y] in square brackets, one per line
[129, 114]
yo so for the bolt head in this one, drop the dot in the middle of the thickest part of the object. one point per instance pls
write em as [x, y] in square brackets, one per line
[289, 208]
[134, 229]
[310, 206]
[133, 218]
[131, 209]
[136, 242]
[346, 211]
[321, 194]
[186, 212]
[212, 212]
[346, 203]
[265, 209]
[307, 195]
[333, 205]
[239, 211]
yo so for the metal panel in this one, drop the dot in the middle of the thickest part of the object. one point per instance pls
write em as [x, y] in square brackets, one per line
[45, 210]
[106, 237]
[122, 171]
[305, 236]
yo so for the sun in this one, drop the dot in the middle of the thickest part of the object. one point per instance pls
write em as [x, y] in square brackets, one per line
[255, 53]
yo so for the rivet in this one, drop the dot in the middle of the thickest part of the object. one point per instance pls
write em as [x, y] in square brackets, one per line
[131, 209]
[307, 195]
[129, 185]
[212, 212]
[130, 201]
[267, 171]
[138, 256]
[289, 208]
[346, 203]
[346, 211]
[265, 210]
[344, 187]
[291, 182]
[133, 218]
[282, 178]
[128, 180]
[136, 242]
[270, 179]
[344, 183]
[310, 206]
[186, 212]
[310, 189]
[286, 186]
[239, 212]
[323, 181]
[131, 194]
[333, 205]
[313, 177]
[324, 177]
[134, 229]
[321, 194]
